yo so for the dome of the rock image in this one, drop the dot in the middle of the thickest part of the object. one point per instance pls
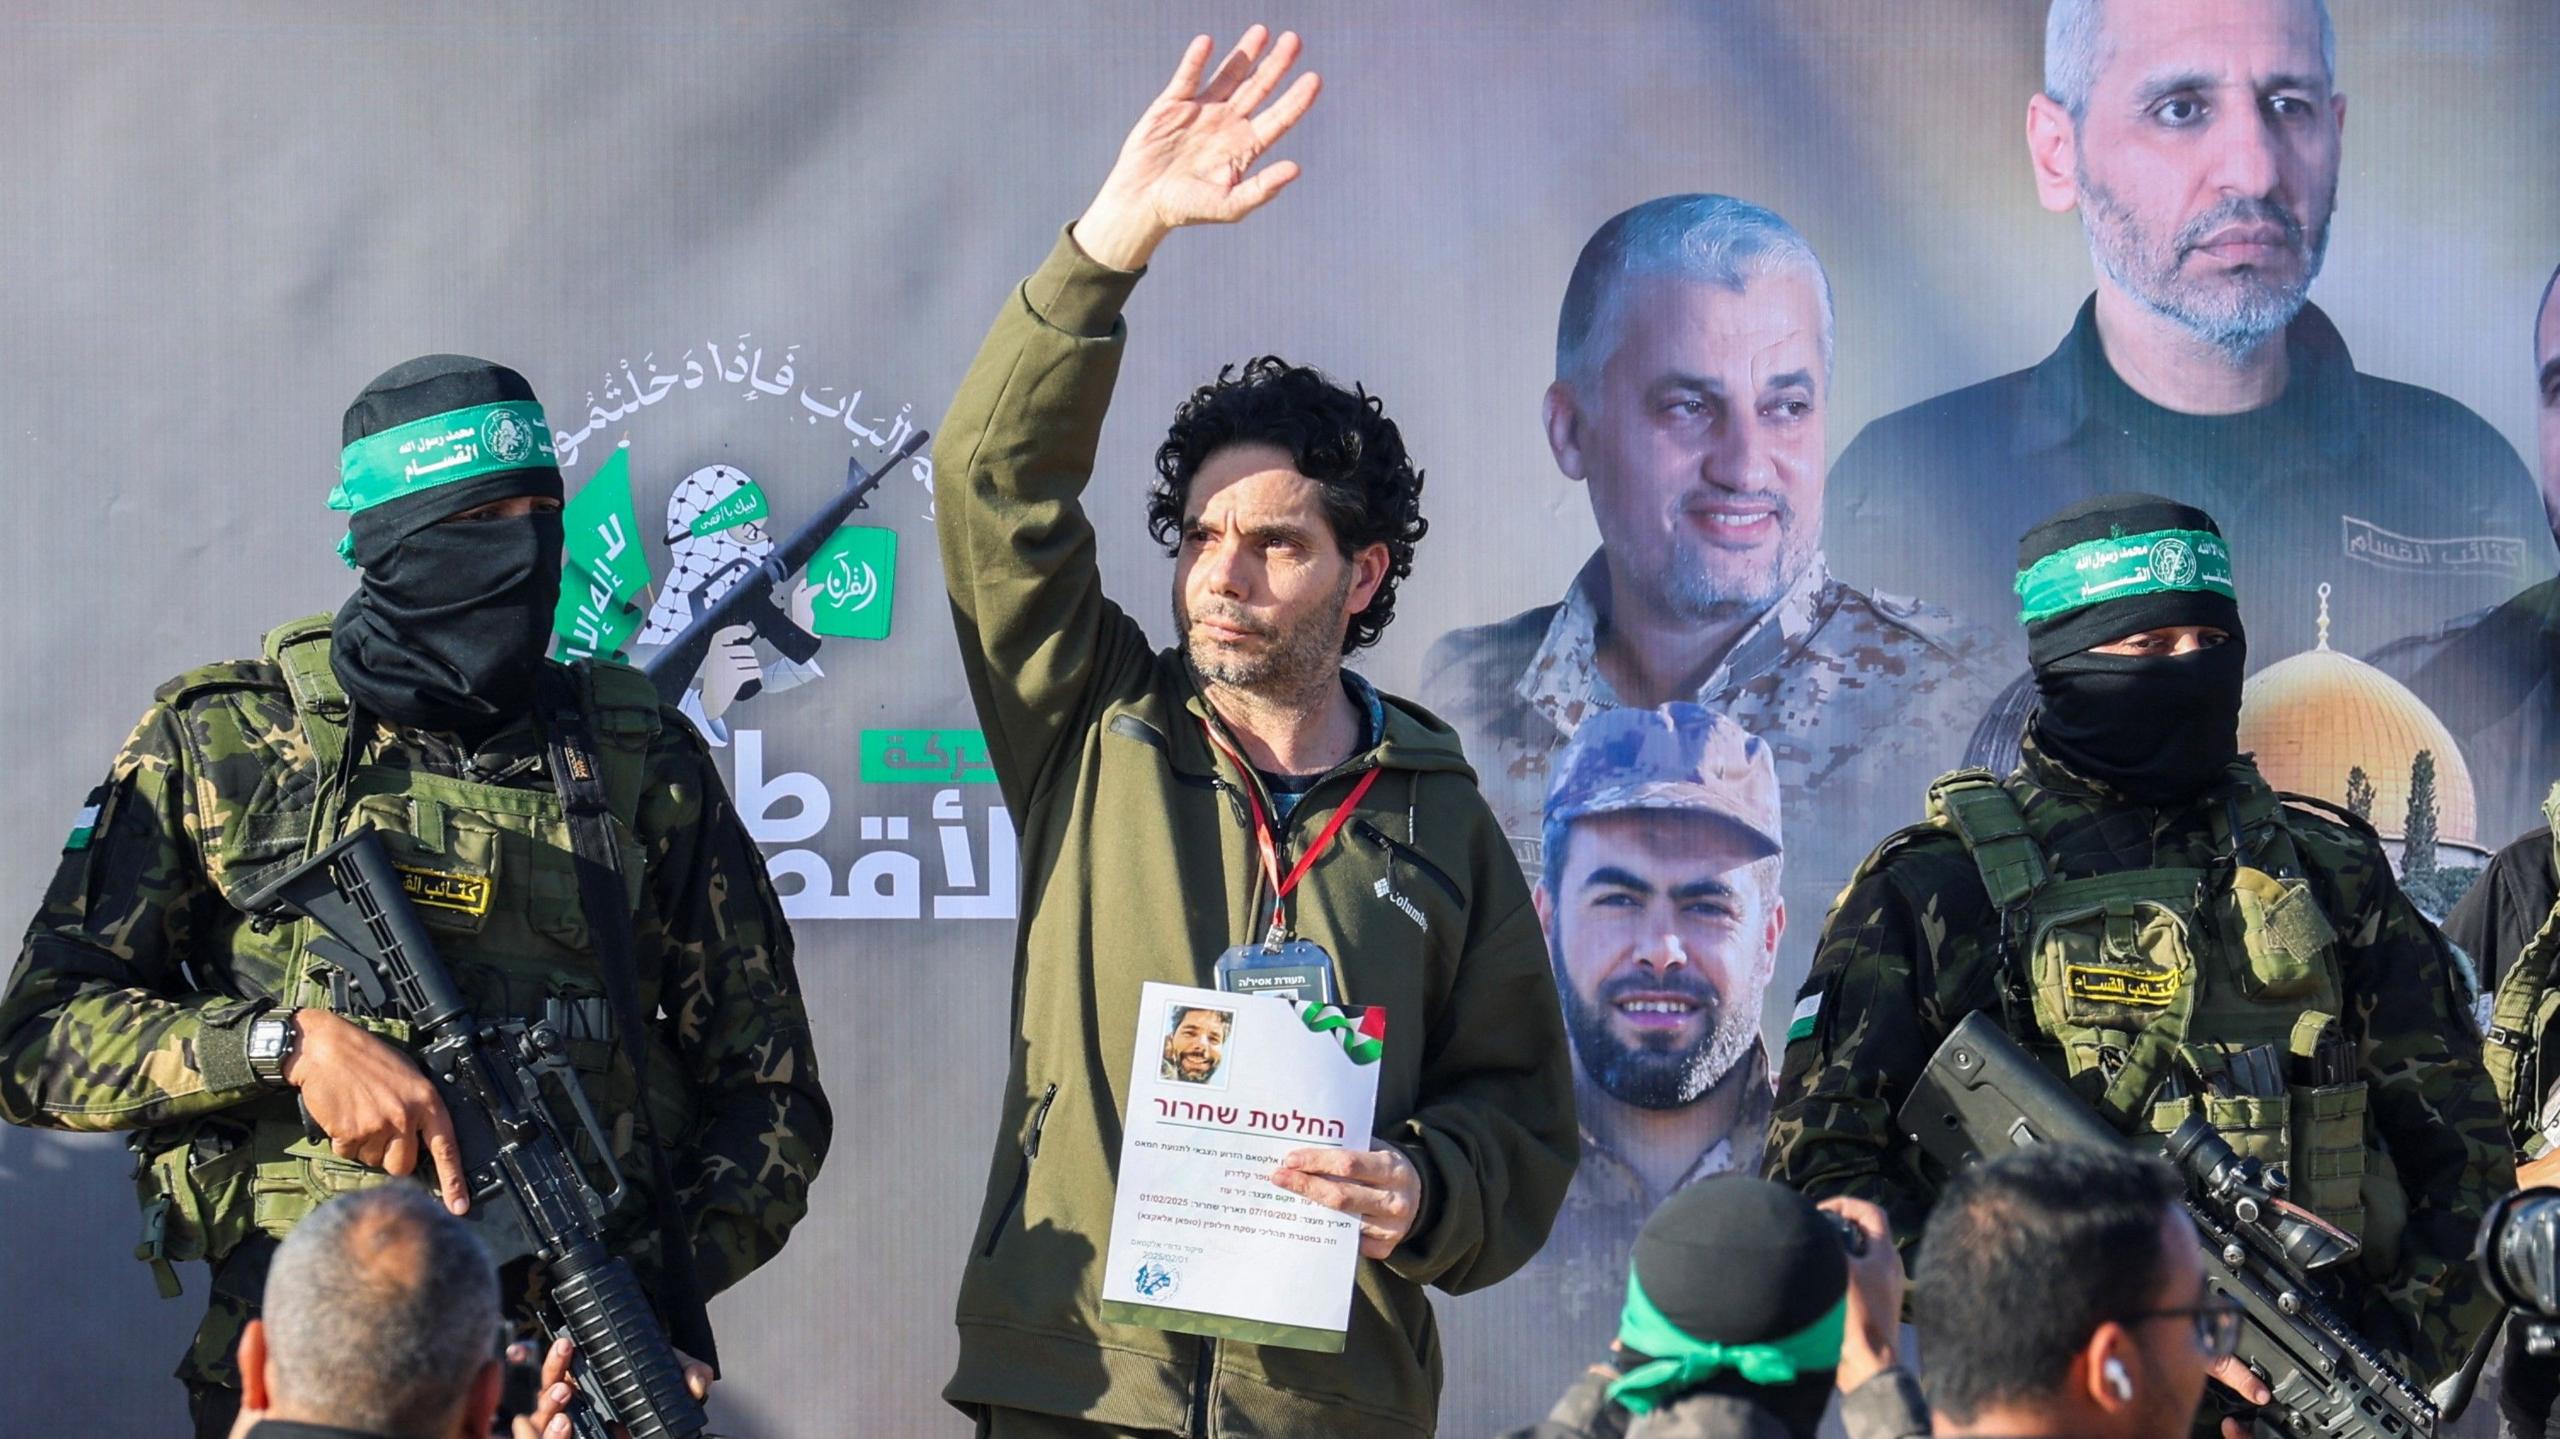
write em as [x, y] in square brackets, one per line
[2314, 718]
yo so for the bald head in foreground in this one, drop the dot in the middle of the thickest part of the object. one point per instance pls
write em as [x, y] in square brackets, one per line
[381, 1318]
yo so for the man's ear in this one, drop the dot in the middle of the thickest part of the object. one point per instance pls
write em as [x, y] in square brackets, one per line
[2053, 149]
[256, 1390]
[1777, 929]
[1545, 905]
[2108, 1374]
[1368, 571]
[1564, 429]
[480, 1406]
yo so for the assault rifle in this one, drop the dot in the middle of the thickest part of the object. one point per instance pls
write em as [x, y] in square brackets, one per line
[529, 1191]
[1982, 1096]
[749, 598]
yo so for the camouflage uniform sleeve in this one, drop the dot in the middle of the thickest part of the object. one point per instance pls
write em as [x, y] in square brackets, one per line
[101, 1027]
[734, 1017]
[2438, 1118]
[1860, 1040]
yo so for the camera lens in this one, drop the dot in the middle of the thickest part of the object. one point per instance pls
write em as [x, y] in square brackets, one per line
[2520, 1252]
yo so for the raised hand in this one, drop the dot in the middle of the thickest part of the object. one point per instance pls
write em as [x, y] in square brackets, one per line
[1190, 159]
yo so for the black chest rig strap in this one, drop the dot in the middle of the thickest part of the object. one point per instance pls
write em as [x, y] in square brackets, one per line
[602, 895]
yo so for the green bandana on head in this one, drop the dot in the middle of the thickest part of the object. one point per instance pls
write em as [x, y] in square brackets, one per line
[442, 449]
[1680, 1361]
[2122, 567]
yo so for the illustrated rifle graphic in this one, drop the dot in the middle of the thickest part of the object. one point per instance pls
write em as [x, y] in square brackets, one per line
[749, 599]
[529, 1193]
[1982, 1096]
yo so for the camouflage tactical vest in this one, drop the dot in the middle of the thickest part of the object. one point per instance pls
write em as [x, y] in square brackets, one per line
[2161, 993]
[488, 866]
[2524, 1021]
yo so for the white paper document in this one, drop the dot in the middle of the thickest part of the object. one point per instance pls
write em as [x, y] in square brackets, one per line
[1221, 1086]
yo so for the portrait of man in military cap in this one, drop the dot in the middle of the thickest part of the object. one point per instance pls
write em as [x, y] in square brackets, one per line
[1659, 893]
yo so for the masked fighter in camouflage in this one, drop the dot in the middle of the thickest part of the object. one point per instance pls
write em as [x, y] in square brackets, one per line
[145, 1000]
[2162, 929]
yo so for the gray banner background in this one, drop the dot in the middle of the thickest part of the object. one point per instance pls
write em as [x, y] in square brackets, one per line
[218, 227]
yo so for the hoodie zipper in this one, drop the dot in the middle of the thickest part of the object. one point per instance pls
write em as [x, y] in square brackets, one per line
[1021, 1176]
[1200, 1389]
[1413, 858]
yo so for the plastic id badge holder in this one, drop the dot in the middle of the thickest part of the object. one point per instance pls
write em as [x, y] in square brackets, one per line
[1295, 969]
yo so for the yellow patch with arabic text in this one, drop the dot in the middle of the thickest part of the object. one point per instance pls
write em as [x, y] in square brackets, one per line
[2107, 984]
[446, 889]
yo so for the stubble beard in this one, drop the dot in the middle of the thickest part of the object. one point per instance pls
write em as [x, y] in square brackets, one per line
[1293, 663]
[1657, 1077]
[2235, 313]
[1688, 586]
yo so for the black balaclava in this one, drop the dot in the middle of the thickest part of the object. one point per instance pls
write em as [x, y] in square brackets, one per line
[449, 623]
[2159, 729]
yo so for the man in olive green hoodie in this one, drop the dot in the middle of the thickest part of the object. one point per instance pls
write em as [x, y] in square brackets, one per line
[1143, 784]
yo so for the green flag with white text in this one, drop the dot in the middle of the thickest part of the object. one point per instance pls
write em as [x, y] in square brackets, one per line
[855, 573]
[605, 569]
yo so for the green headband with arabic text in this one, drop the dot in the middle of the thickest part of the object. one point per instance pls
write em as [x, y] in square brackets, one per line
[1680, 1361]
[2122, 566]
[440, 450]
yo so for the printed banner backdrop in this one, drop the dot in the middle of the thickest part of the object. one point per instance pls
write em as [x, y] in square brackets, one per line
[735, 248]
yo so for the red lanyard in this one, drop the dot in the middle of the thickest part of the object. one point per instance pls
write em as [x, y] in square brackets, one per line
[1270, 849]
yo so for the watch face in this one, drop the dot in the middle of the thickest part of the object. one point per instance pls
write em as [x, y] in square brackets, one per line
[265, 1038]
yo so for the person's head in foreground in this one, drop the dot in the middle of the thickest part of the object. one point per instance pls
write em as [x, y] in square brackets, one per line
[2060, 1290]
[1737, 1295]
[380, 1316]
[2133, 631]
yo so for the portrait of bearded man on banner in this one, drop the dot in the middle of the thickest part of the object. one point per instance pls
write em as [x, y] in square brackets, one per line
[2201, 143]
[1659, 894]
[1692, 385]
[716, 535]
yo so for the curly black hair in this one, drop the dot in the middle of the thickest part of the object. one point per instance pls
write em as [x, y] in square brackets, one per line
[1341, 439]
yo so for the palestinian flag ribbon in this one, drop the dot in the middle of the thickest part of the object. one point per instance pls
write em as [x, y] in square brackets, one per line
[1364, 1039]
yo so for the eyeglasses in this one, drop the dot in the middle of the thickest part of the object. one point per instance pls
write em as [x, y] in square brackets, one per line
[2216, 1321]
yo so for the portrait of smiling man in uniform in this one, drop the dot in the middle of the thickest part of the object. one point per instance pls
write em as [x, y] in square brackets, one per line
[1691, 399]
[1660, 898]
[2201, 143]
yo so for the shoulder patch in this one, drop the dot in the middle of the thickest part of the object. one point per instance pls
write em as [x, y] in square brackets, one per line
[84, 822]
[1808, 1013]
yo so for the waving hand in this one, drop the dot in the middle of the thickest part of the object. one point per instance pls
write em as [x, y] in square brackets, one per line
[1190, 159]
